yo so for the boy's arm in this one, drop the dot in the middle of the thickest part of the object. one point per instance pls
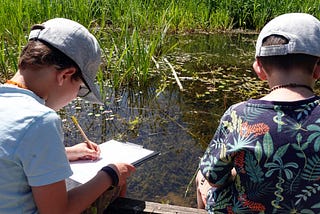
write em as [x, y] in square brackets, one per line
[54, 198]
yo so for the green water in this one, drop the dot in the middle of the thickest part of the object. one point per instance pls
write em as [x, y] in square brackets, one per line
[215, 71]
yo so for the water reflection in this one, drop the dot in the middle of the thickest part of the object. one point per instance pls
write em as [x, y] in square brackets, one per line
[215, 71]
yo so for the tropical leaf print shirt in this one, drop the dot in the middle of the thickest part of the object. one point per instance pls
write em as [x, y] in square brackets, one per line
[274, 147]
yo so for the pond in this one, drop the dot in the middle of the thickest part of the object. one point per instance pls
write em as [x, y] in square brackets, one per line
[215, 71]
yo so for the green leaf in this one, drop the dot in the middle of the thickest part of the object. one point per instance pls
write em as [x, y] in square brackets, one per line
[292, 164]
[296, 146]
[311, 171]
[281, 151]
[313, 128]
[269, 173]
[288, 173]
[258, 151]
[316, 205]
[313, 136]
[253, 169]
[267, 165]
[304, 146]
[300, 155]
[306, 211]
[268, 144]
[317, 144]
[299, 137]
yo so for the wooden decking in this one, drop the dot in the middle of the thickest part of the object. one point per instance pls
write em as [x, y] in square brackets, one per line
[132, 206]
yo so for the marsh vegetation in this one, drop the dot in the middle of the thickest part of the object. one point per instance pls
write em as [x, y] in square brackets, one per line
[134, 34]
[169, 70]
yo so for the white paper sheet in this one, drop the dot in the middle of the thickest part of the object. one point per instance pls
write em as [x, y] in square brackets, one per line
[111, 152]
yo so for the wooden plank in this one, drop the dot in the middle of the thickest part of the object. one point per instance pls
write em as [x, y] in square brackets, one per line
[133, 206]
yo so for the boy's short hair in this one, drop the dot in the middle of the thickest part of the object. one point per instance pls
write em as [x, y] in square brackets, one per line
[301, 30]
[288, 41]
[37, 54]
[286, 62]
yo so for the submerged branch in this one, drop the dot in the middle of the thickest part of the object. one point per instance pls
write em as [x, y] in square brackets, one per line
[174, 74]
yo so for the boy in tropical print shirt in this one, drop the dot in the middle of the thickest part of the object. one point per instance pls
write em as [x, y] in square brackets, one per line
[265, 154]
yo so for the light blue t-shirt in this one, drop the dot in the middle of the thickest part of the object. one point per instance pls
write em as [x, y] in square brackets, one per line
[31, 149]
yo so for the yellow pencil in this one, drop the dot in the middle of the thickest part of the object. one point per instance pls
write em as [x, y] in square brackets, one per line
[74, 119]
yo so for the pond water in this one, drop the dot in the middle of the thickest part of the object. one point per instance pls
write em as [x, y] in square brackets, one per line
[215, 71]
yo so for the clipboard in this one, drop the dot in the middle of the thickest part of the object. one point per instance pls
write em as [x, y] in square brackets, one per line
[144, 159]
[112, 151]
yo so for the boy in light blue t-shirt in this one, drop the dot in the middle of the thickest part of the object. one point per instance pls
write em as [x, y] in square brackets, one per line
[58, 64]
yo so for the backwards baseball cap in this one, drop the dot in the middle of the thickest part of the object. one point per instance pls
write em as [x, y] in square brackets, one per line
[300, 29]
[76, 42]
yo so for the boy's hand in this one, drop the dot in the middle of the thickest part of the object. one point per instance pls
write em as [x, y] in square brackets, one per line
[82, 152]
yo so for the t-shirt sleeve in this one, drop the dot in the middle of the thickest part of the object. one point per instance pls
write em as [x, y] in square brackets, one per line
[216, 163]
[42, 152]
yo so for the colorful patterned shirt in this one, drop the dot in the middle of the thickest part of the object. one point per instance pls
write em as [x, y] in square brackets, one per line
[275, 149]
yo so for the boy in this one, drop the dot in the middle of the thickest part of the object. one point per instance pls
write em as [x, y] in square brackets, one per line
[59, 63]
[272, 143]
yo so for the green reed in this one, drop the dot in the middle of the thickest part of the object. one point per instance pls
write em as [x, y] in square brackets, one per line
[133, 33]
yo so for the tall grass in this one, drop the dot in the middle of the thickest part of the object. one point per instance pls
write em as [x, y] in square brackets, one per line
[133, 32]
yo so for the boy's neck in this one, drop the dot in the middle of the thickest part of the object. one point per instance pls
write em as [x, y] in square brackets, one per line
[289, 92]
[292, 85]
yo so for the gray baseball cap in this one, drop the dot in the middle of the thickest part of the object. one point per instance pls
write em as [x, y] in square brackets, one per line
[75, 41]
[302, 31]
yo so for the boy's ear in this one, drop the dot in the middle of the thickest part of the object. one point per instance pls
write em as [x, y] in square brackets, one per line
[257, 67]
[316, 70]
[65, 74]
